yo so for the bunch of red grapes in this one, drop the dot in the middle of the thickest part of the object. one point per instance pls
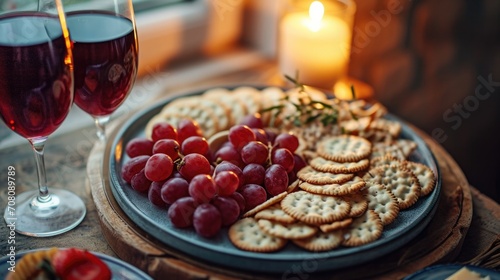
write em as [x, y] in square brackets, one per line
[208, 189]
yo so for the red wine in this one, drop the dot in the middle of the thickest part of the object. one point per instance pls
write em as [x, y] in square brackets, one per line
[105, 54]
[36, 87]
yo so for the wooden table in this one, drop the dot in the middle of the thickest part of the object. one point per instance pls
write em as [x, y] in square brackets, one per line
[475, 224]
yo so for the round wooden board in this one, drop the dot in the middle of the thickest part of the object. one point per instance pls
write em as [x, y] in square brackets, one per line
[440, 242]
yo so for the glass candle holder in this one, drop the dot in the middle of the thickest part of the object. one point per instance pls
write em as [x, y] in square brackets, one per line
[315, 41]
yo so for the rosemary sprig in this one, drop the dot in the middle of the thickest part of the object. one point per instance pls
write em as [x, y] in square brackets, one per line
[307, 110]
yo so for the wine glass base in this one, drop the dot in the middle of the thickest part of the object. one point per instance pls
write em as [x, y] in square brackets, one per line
[66, 211]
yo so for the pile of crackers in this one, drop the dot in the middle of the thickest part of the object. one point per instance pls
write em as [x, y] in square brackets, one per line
[358, 175]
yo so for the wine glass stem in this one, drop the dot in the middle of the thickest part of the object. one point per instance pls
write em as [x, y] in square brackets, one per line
[38, 149]
[100, 123]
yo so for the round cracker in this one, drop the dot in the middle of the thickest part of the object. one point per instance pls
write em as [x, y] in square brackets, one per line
[321, 241]
[275, 213]
[424, 174]
[246, 235]
[314, 208]
[345, 148]
[353, 186]
[313, 176]
[383, 202]
[325, 165]
[288, 231]
[363, 230]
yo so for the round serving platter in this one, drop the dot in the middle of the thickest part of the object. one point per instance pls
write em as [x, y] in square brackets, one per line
[220, 251]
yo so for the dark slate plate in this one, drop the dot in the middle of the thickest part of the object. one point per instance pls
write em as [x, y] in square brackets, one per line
[219, 250]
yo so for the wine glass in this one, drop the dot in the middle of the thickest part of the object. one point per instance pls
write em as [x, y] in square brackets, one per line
[105, 50]
[36, 93]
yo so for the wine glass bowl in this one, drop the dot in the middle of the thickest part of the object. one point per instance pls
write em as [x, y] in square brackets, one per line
[105, 51]
[36, 93]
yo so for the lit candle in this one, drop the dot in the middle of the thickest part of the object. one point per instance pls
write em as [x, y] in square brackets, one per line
[316, 45]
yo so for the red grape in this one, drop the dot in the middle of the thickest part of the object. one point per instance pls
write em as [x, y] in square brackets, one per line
[139, 147]
[284, 158]
[227, 182]
[271, 135]
[140, 183]
[163, 130]
[181, 212]
[252, 121]
[202, 188]
[238, 197]
[276, 180]
[158, 167]
[154, 194]
[253, 195]
[254, 174]
[187, 128]
[174, 189]
[132, 167]
[298, 163]
[228, 166]
[228, 208]
[192, 165]
[169, 147]
[287, 141]
[240, 135]
[207, 220]
[254, 152]
[260, 135]
[228, 153]
[194, 144]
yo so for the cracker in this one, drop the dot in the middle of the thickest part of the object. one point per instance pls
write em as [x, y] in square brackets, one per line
[246, 235]
[273, 200]
[364, 229]
[237, 108]
[315, 209]
[425, 176]
[381, 149]
[383, 202]
[399, 180]
[359, 203]
[250, 96]
[313, 176]
[335, 225]
[293, 186]
[321, 241]
[406, 146]
[325, 165]
[388, 126]
[344, 148]
[202, 114]
[346, 188]
[383, 160]
[275, 213]
[288, 231]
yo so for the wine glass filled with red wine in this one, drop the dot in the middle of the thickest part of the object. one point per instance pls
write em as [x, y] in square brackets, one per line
[36, 95]
[105, 50]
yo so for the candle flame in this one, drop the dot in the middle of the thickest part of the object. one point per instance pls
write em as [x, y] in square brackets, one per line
[316, 12]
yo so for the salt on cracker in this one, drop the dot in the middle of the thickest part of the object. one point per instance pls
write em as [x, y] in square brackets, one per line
[315, 209]
[344, 148]
[246, 235]
[364, 229]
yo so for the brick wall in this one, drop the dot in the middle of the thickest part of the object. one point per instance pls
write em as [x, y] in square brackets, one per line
[437, 65]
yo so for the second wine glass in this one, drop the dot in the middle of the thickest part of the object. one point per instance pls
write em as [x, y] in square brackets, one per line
[105, 50]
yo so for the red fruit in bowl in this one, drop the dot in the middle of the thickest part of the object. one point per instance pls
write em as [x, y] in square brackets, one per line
[163, 130]
[78, 264]
[139, 147]
[207, 220]
[192, 165]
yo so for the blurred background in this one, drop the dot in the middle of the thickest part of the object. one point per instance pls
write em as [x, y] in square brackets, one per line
[435, 64]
